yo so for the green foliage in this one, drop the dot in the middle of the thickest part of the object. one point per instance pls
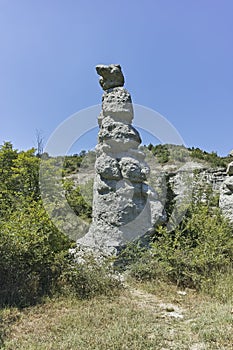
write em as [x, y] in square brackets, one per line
[34, 258]
[89, 277]
[194, 254]
[33, 252]
[18, 177]
[161, 152]
[34, 262]
[72, 163]
[165, 153]
[212, 158]
[178, 153]
[129, 255]
[31, 249]
[76, 200]
[59, 189]
[146, 268]
[197, 250]
[7, 157]
[170, 198]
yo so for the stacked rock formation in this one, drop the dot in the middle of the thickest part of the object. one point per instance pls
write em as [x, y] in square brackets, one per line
[226, 194]
[124, 207]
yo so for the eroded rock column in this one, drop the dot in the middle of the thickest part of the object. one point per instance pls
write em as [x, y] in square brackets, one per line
[124, 207]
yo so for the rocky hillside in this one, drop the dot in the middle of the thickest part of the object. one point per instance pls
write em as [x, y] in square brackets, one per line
[177, 173]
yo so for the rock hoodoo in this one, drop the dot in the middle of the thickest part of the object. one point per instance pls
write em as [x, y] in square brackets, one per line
[124, 207]
[226, 194]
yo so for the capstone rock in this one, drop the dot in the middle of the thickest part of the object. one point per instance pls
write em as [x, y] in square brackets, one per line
[110, 76]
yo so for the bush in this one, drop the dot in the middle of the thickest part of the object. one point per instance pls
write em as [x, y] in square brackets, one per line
[212, 158]
[199, 250]
[31, 254]
[161, 152]
[130, 254]
[146, 268]
[89, 278]
[34, 258]
[76, 200]
[34, 262]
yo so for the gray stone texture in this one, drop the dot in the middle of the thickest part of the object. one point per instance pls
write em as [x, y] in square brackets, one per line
[124, 206]
[226, 194]
[230, 169]
[110, 76]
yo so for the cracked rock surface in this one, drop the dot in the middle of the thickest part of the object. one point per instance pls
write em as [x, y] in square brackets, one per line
[124, 207]
[226, 194]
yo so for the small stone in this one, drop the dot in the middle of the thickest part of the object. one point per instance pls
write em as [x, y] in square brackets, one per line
[170, 309]
[181, 292]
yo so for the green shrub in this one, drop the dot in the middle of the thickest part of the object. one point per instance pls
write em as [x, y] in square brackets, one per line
[146, 268]
[167, 153]
[76, 200]
[161, 152]
[220, 285]
[198, 251]
[212, 158]
[34, 262]
[72, 164]
[31, 255]
[89, 278]
[129, 255]
[34, 259]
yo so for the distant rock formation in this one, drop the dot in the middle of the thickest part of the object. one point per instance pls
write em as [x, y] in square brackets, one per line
[226, 194]
[124, 206]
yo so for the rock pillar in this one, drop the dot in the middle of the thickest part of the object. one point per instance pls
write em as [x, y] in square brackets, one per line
[124, 207]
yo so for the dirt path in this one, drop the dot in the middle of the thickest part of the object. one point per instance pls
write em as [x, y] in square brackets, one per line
[149, 301]
[176, 316]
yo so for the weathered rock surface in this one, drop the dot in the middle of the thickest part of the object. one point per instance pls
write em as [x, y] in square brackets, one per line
[110, 76]
[124, 206]
[226, 194]
[174, 184]
[230, 169]
[178, 182]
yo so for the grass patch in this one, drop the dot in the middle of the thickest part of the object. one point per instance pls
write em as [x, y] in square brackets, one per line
[136, 319]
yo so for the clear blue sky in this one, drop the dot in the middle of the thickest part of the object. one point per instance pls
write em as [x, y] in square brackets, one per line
[177, 57]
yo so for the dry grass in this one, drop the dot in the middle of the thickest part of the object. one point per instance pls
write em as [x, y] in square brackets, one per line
[145, 316]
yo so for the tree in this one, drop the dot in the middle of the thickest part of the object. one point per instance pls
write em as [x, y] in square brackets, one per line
[39, 143]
